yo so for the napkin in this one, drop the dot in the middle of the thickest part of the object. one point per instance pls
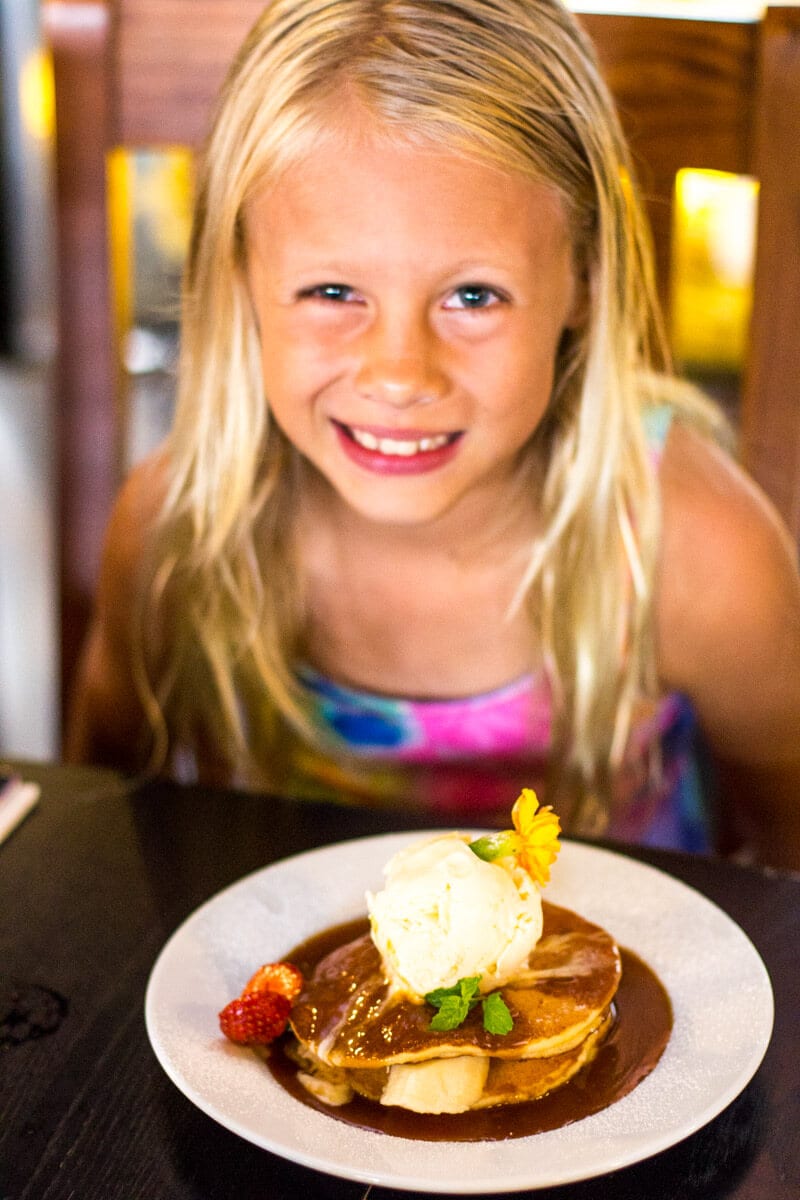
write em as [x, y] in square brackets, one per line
[17, 798]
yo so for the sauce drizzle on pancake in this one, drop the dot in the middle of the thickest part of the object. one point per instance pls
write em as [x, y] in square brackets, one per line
[641, 1030]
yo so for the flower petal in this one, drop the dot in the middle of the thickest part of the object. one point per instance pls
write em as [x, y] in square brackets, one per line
[538, 830]
[523, 814]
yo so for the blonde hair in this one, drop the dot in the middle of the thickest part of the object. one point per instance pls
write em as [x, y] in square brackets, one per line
[514, 82]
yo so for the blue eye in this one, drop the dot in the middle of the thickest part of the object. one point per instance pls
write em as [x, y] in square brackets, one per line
[337, 292]
[472, 296]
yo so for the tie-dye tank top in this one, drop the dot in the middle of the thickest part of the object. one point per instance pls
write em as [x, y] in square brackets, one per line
[468, 758]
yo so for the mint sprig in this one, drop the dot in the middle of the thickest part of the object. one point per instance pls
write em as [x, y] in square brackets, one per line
[454, 1004]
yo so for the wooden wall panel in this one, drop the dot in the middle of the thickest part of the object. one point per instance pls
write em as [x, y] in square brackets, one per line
[684, 90]
[87, 408]
[771, 406]
[170, 58]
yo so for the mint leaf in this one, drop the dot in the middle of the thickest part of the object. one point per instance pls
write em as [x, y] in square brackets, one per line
[453, 1003]
[452, 1011]
[496, 1017]
[466, 988]
[438, 996]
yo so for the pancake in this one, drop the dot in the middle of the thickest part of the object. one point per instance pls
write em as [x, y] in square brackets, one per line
[511, 1081]
[443, 1085]
[354, 1034]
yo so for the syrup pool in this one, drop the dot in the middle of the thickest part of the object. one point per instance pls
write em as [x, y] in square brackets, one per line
[641, 1030]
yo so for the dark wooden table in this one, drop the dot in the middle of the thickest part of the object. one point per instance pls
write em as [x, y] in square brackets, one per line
[98, 877]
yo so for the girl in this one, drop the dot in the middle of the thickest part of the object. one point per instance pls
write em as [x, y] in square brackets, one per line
[430, 524]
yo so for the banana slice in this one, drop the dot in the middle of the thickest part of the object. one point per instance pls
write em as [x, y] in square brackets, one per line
[440, 1085]
[329, 1092]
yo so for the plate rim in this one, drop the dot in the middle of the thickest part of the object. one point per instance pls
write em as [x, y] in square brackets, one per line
[406, 1180]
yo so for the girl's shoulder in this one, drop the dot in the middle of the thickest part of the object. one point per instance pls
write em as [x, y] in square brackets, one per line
[135, 514]
[128, 539]
[728, 594]
[710, 504]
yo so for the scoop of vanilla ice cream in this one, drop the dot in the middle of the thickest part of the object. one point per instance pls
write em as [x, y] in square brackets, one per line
[445, 914]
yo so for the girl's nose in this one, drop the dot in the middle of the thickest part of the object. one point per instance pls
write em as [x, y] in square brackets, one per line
[399, 364]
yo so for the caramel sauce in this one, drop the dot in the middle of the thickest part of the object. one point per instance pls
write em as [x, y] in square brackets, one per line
[641, 1030]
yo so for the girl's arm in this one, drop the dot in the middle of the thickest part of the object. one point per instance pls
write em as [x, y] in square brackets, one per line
[106, 723]
[728, 620]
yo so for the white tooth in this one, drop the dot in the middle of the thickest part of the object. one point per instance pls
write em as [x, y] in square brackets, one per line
[397, 448]
[367, 440]
[390, 446]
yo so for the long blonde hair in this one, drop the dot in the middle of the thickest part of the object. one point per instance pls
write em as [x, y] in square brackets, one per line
[516, 83]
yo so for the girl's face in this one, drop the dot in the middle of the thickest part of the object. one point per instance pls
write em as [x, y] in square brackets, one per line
[410, 303]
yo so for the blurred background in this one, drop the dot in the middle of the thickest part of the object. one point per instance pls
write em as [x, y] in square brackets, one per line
[149, 204]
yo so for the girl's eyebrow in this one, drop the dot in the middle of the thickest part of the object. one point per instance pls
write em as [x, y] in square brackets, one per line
[467, 269]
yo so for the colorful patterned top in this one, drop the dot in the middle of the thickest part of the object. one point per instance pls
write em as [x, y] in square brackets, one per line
[468, 758]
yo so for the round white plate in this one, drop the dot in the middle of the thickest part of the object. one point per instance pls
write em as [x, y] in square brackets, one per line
[718, 985]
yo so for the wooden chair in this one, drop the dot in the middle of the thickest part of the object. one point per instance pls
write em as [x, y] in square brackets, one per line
[692, 93]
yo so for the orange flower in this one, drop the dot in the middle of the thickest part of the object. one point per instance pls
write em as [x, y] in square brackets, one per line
[538, 830]
[533, 841]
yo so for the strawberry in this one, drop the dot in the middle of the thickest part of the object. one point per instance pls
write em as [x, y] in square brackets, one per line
[281, 977]
[255, 1018]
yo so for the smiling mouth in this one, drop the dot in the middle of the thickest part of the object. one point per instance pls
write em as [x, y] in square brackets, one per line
[397, 447]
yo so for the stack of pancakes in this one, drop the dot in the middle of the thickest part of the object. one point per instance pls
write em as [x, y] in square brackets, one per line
[355, 1035]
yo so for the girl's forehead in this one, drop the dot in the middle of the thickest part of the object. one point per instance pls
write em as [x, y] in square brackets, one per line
[357, 159]
[381, 210]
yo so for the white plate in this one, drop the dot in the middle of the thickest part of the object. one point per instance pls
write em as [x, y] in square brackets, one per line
[719, 987]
